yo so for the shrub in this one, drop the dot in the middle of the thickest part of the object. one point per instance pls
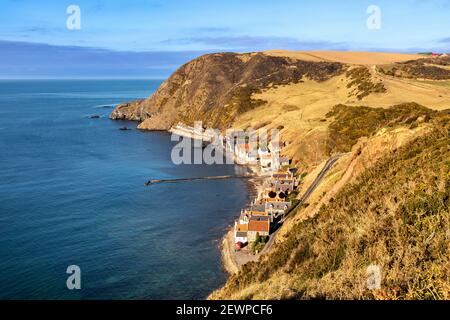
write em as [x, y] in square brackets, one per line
[351, 123]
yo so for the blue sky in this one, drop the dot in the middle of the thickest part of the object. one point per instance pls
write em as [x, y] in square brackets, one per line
[160, 35]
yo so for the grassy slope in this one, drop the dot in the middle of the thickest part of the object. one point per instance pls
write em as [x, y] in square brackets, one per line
[301, 108]
[395, 215]
[348, 57]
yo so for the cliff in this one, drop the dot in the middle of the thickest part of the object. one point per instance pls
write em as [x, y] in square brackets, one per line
[386, 201]
[215, 88]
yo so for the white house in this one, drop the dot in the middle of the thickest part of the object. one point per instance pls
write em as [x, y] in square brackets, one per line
[262, 150]
[277, 208]
[240, 233]
[240, 236]
[252, 158]
[245, 154]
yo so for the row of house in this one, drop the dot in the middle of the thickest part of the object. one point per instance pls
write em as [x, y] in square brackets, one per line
[265, 210]
[245, 152]
[268, 158]
[196, 133]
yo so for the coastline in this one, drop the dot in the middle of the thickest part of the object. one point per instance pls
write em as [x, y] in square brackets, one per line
[232, 261]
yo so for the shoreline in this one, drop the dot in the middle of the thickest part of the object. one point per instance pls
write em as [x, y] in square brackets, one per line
[231, 260]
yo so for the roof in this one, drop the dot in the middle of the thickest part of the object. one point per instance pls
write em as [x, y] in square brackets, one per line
[282, 182]
[258, 207]
[272, 200]
[284, 175]
[259, 226]
[241, 227]
[241, 234]
[278, 204]
[260, 218]
[258, 213]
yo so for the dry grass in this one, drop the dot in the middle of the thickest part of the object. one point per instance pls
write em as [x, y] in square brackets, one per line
[395, 215]
[387, 203]
[301, 109]
[347, 57]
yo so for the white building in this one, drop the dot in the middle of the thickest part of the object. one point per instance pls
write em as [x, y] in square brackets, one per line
[266, 160]
[240, 236]
[245, 154]
[262, 150]
[240, 233]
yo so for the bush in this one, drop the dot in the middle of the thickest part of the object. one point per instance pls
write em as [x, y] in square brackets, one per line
[351, 123]
[361, 81]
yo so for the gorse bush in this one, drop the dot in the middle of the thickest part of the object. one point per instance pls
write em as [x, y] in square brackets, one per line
[427, 68]
[351, 123]
[362, 83]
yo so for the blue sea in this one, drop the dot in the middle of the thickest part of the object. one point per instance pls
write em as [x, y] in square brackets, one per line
[72, 193]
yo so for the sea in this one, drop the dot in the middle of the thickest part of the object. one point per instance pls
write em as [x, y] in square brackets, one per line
[72, 193]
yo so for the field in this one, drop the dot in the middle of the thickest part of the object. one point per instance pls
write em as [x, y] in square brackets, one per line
[300, 109]
[347, 57]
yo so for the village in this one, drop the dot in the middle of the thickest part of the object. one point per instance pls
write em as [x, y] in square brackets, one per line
[274, 199]
[275, 196]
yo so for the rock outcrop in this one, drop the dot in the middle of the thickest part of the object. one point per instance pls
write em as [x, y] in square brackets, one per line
[128, 111]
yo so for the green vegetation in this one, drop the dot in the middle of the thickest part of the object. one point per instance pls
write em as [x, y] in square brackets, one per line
[428, 72]
[351, 123]
[396, 215]
[427, 68]
[361, 81]
[259, 243]
[292, 196]
[242, 98]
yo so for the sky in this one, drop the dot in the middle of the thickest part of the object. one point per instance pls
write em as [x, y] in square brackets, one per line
[151, 38]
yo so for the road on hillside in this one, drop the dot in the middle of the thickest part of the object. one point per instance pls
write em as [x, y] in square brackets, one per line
[328, 165]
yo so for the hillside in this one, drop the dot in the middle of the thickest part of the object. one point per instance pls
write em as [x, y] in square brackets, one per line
[385, 202]
[216, 88]
[292, 91]
[435, 68]
[393, 212]
[219, 89]
[301, 109]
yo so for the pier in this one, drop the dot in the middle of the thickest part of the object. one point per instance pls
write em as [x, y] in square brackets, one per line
[242, 176]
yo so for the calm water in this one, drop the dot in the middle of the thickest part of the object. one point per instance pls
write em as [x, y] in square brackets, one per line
[71, 192]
